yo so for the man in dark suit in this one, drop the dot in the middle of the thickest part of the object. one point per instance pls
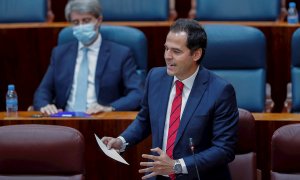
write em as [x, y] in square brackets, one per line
[92, 75]
[184, 100]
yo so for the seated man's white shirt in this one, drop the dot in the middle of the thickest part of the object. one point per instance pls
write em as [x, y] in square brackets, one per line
[93, 52]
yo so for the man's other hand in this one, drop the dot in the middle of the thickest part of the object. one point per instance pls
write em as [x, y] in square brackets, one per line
[158, 165]
[50, 109]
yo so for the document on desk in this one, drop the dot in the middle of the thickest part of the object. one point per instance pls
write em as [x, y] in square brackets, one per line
[112, 153]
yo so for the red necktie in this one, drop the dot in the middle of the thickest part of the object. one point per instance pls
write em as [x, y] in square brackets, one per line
[174, 121]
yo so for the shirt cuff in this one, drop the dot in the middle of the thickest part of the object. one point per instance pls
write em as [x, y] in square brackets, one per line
[184, 169]
[113, 109]
[124, 144]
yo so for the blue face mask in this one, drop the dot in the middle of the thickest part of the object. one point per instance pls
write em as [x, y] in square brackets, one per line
[85, 33]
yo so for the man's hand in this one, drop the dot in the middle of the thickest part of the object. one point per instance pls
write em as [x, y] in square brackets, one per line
[97, 108]
[111, 142]
[161, 165]
[50, 109]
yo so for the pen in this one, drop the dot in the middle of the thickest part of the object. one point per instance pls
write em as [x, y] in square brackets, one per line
[66, 115]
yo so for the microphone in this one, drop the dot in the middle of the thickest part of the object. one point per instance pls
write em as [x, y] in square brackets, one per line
[192, 145]
[192, 149]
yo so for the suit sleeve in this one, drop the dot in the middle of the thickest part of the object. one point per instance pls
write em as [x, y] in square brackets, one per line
[45, 92]
[224, 134]
[133, 87]
[140, 128]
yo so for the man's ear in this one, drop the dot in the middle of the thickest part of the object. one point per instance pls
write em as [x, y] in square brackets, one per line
[99, 20]
[197, 54]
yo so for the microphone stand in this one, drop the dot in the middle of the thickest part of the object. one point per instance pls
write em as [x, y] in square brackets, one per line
[192, 149]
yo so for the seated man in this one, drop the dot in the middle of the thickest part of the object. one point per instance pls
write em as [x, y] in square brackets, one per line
[92, 75]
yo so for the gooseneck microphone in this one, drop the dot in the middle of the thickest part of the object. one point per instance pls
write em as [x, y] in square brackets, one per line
[192, 149]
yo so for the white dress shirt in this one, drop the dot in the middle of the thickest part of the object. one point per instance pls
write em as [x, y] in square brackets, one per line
[93, 52]
[188, 84]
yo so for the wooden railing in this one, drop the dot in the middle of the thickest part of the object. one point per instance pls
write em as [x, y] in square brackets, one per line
[26, 50]
[98, 166]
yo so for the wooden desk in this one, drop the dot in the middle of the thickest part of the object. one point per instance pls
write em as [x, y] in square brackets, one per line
[26, 49]
[98, 166]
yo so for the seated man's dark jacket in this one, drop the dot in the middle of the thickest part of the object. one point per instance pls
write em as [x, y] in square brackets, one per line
[116, 82]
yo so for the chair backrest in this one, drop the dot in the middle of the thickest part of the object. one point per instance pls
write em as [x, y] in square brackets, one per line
[244, 164]
[135, 10]
[33, 152]
[238, 54]
[12, 11]
[237, 10]
[295, 71]
[128, 36]
[285, 153]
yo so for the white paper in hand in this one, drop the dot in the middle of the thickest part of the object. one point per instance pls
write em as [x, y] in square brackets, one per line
[112, 153]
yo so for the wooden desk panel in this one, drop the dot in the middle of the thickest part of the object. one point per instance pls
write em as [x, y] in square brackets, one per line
[98, 166]
[26, 49]
[277, 117]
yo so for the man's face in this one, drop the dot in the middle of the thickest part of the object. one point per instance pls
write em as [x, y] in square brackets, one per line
[85, 18]
[179, 60]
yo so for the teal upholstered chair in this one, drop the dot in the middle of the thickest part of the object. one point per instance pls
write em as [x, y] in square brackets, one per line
[295, 71]
[238, 54]
[135, 10]
[128, 36]
[12, 11]
[237, 10]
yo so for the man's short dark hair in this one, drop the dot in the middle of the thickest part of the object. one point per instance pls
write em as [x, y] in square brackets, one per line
[196, 35]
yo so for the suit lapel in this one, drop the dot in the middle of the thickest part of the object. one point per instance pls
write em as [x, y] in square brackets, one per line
[196, 94]
[70, 67]
[102, 60]
[166, 86]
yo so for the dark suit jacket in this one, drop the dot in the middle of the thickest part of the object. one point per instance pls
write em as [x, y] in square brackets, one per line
[116, 80]
[210, 117]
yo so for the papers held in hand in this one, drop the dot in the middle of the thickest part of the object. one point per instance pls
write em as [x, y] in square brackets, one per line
[112, 153]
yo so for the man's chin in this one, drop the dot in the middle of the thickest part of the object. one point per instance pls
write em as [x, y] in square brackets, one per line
[170, 73]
